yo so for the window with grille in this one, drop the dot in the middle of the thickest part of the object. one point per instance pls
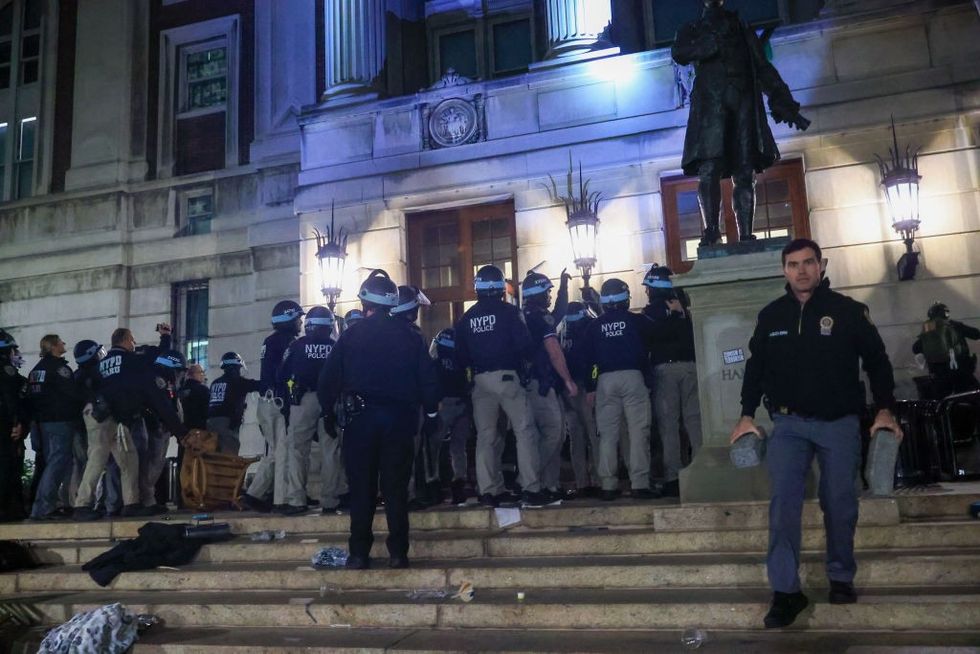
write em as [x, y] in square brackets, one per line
[781, 210]
[190, 320]
[446, 248]
[21, 46]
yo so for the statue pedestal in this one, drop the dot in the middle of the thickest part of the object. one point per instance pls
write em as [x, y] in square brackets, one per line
[727, 293]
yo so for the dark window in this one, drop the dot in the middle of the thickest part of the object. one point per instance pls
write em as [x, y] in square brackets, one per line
[32, 14]
[781, 210]
[669, 15]
[6, 43]
[190, 320]
[200, 144]
[511, 46]
[25, 158]
[446, 248]
[457, 50]
[196, 213]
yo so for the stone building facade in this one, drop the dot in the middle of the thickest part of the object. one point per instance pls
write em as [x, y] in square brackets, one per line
[179, 168]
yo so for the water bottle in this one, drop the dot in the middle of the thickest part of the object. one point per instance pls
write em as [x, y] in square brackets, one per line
[694, 638]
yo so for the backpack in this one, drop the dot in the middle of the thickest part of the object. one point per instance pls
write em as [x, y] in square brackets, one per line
[941, 343]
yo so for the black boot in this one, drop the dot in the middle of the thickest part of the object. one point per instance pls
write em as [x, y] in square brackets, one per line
[784, 609]
[743, 201]
[842, 592]
[459, 491]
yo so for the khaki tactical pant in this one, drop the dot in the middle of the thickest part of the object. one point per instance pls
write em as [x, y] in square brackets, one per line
[271, 470]
[492, 391]
[583, 446]
[105, 438]
[550, 424]
[623, 394]
[305, 421]
[675, 396]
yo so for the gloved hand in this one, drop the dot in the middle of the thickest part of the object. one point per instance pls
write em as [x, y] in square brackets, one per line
[430, 426]
[330, 425]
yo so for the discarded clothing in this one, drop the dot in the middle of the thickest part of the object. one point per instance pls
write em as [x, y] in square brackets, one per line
[14, 557]
[157, 544]
[329, 557]
[108, 629]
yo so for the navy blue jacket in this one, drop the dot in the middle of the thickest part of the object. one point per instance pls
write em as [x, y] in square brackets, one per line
[131, 387]
[618, 340]
[53, 392]
[273, 350]
[492, 335]
[227, 397]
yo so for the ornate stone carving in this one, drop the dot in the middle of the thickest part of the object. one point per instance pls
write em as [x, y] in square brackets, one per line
[452, 122]
[451, 78]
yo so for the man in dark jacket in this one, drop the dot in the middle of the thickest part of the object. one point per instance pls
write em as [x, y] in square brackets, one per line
[805, 356]
[227, 402]
[194, 396]
[727, 131]
[14, 421]
[56, 407]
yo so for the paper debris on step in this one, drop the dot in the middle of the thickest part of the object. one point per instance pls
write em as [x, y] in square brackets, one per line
[507, 517]
[307, 541]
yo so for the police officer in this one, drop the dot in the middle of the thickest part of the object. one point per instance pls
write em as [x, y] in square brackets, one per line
[492, 341]
[455, 412]
[226, 404]
[617, 349]
[352, 317]
[943, 345]
[549, 375]
[99, 440]
[129, 388]
[56, 407]
[805, 356]
[423, 487]
[382, 373]
[270, 475]
[675, 375]
[168, 371]
[299, 374]
[14, 420]
[583, 439]
[194, 397]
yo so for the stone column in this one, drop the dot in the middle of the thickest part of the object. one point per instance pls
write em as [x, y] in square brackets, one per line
[574, 26]
[355, 48]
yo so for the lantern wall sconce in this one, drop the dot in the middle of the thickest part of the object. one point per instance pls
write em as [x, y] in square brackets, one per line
[900, 179]
[582, 212]
[331, 253]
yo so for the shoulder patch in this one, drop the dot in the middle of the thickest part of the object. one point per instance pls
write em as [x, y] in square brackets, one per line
[65, 372]
[549, 319]
[9, 370]
[161, 383]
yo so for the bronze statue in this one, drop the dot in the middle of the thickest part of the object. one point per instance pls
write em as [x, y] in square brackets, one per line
[727, 131]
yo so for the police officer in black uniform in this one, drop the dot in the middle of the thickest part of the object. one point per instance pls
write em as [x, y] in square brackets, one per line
[14, 420]
[549, 375]
[299, 374]
[226, 404]
[382, 373]
[493, 342]
[352, 317]
[583, 439]
[271, 472]
[57, 408]
[807, 350]
[168, 371]
[617, 348]
[129, 388]
[88, 354]
[675, 374]
[455, 412]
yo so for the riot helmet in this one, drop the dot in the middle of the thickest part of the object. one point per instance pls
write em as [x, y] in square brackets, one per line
[285, 316]
[319, 319]
[232, 361]
[614, 294]
[578, 311]
[352, 317]
[535, 289]
[444, 344]
[938, 310]
[88, 351]
[9, 351]
[658, 284]
[489, 282]
[378, 291]
[171, 359]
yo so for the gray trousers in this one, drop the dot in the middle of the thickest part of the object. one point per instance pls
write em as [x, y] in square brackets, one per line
[457, 422]
[583, 446]
[305, 421]
[105, 438]
[152, 463]
[789, 454]
[623, 395]
[550, 424]
[675, 396]
[228, 442]
[492, 391]
[271, 471]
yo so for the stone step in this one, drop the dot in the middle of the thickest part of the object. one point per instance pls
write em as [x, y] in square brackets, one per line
[918, 568]
[661, 515]
[289, 640]
[522, 542]
[947, 609]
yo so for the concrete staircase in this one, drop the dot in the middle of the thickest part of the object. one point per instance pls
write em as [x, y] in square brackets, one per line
[620, 577]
